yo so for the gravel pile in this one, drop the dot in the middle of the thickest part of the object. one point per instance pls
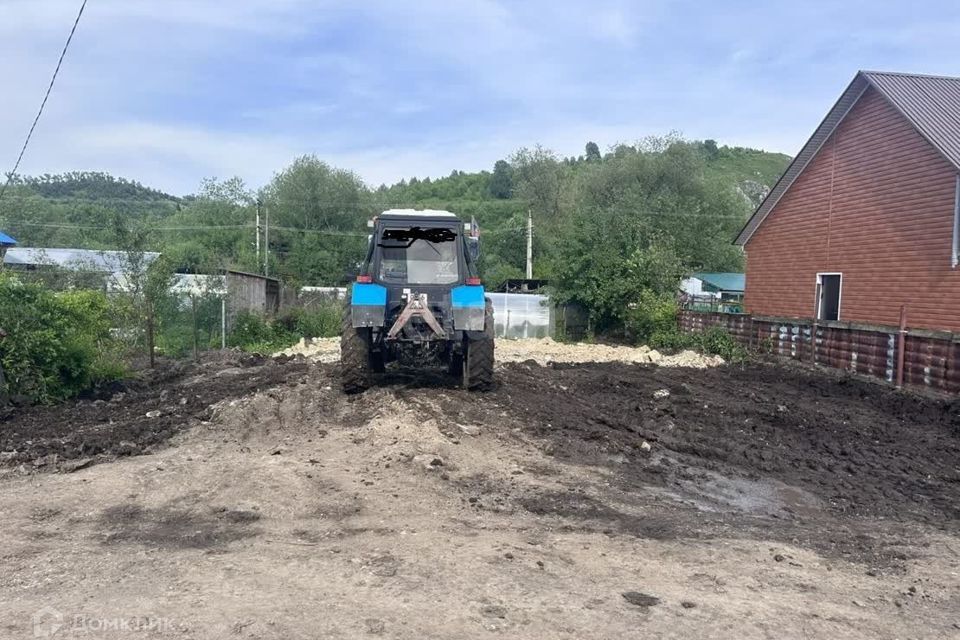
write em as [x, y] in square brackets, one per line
[540, 350]
[548, 350]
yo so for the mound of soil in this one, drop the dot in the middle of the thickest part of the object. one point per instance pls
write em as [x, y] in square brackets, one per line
[861, 448]
[129, 418]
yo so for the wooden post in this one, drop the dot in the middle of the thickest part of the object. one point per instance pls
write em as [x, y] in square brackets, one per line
[223, 322]
[901, 344]
[3, 381]
[150, 333]
[196, 346]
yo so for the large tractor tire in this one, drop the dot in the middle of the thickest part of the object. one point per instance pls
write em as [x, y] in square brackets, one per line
[478, 356]
[356, 367]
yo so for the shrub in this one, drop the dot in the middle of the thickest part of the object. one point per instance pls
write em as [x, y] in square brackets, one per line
[92, 316]
[253, 332]
[714, 341]
[56, 345]
[672, 340]
[651, 315]
[322, 321]
[248, 329]
[717, 341]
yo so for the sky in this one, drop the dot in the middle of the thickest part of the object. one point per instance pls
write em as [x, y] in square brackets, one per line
[169, 92]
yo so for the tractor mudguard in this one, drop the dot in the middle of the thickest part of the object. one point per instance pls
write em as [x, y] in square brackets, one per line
[368, 305]
[468, 304]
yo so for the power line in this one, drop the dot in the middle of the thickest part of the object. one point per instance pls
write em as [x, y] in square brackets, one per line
[44, 103]
[325, 232]
[17, 223]
[85, 227]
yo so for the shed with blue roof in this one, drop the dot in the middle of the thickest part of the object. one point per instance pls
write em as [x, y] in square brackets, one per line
[5, 243]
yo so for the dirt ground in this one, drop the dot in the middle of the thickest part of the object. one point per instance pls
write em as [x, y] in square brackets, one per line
[248, 497]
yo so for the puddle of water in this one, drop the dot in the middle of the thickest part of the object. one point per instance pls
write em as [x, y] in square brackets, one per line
[716, 493]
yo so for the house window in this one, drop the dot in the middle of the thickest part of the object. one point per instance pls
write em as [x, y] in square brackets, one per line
[828, 296]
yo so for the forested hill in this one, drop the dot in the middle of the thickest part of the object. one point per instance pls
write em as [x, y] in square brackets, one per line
[638, 216]
[691, 195]
[80, 209]
[88, 185]
[750, 171]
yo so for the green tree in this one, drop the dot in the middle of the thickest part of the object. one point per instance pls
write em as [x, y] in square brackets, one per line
[711, 149]
[317, 216]
[501, 182]
[637, 223]
[593, 152]
[539, 179]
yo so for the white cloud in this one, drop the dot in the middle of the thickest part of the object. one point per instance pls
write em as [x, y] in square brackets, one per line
[180, 155]
[615, 25]
[168, 92]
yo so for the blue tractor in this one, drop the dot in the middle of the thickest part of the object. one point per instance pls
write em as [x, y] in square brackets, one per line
[418, 301]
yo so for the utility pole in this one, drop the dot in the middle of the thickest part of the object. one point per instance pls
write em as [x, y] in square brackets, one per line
[266, 242]
[529, 245]
[259, 204]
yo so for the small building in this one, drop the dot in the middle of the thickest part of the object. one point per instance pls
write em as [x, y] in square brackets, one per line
[252, 293]
[725, 285]
[110, 269]
[6, 242]
[722, 291]
[867, 216]
[197, 285]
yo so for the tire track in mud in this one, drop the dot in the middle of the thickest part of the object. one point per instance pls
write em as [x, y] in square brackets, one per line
[863, 449]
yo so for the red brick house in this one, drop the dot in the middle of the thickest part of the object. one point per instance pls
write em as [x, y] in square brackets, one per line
[867, 216]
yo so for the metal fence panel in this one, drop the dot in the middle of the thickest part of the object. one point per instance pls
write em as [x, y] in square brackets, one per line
[931, 358]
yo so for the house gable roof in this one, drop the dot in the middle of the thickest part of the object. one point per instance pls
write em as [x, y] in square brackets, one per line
[931, 104]
[6, 241]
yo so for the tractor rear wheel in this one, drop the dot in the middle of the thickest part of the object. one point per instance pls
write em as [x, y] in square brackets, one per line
[478, 356]
[356, 368]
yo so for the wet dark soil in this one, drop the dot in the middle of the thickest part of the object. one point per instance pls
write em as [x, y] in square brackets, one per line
[132, 417]
[847, 467]
[860, 448]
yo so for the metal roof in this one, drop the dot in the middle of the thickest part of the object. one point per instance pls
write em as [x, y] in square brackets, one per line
[422, 213]
[247, 274]
[6, 240]
[723, 281]
[930, 103]
[74, 259]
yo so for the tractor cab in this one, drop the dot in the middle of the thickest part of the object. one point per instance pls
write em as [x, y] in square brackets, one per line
[418, 300]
